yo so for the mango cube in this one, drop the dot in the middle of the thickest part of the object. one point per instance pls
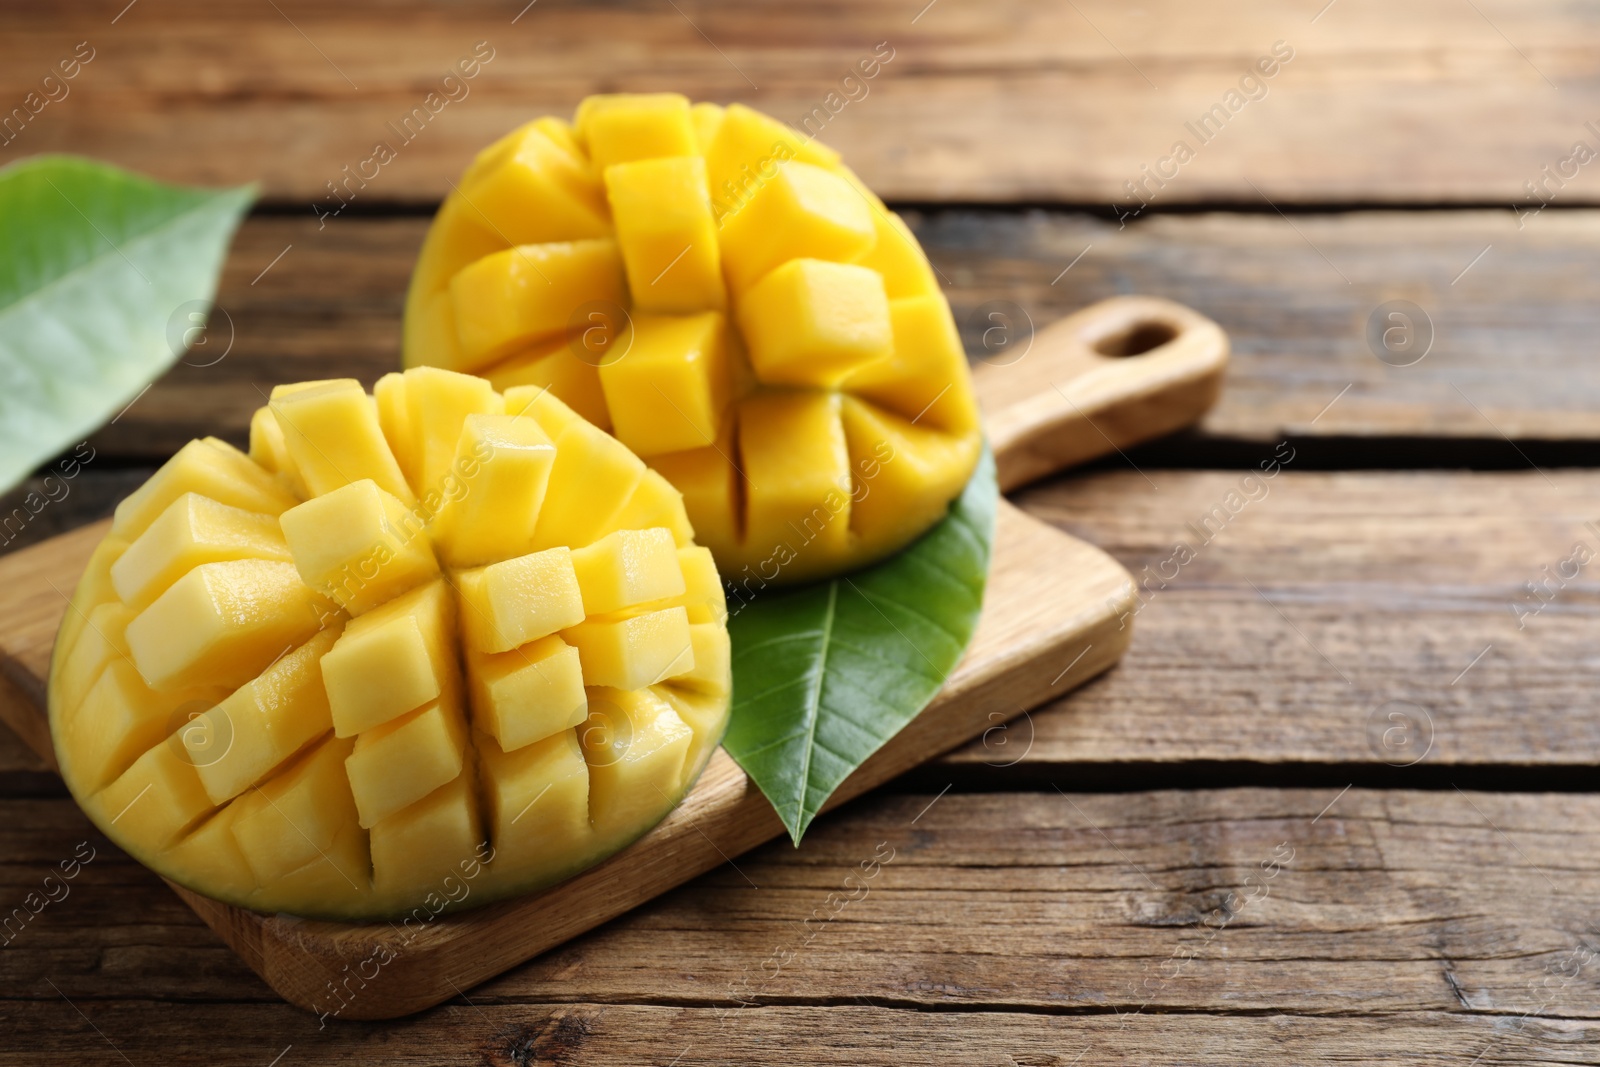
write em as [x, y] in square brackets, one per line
[222, 623]
[466, 236]
[670, 391]
[518, 600]
[405, 759]
[592, 466]
[161, 793]
[94, 590]
[430, 327]
[294, 819]
[191, 531]
[633, 650]
[392, 660]
[713, 663]
[430, 845]
[505, 463]
[747, 150]
[390, 395]
[119, 719]
[917, 458]
[536, 191]
[636, 747]
[210, 468]
[211, 856]
[509, 299]
[536, 802]
[439, 404]
[103, 635]
[705, 118]
[810, 322]
[797, 460]
[926, 379]
[667, 234]
[332, 432]
[268, 450]
[627, 568]
[703, 713]
[261, 724]
[623, 127]
[339, 878]
[802, 212]
[358, 546]
[543, 406]
[526, 694]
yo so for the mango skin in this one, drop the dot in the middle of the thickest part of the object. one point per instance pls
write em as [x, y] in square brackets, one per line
[753, 270]
[325, 832]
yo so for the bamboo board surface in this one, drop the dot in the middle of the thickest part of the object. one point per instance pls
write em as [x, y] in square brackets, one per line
[1052, 618]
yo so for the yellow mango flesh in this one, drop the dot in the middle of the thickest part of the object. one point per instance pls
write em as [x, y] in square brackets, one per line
[735, 270]
[449, 634]
[667, 233]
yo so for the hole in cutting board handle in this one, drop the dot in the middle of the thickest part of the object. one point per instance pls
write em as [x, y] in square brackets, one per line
[1137, 339]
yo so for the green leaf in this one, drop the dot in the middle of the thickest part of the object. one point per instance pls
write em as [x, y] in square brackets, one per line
[824, 674]
[94, 263]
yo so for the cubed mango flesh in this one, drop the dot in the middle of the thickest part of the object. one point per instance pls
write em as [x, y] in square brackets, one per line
[335, 678]
[518, 600]
[803, 212]
[812, 322]
[745, 261]
[670, 390]
[667, 234]
[359, 546]
[510, 298]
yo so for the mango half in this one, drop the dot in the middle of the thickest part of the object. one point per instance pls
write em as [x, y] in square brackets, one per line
[731, 302]
[422, 649]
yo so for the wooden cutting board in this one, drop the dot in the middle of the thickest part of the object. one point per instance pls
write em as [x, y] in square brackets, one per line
[1117, 373]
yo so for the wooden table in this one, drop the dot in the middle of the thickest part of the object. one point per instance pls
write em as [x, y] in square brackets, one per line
[1335, 804]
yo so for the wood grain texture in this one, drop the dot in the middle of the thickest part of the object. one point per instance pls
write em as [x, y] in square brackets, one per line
[859, 1035]
[1513, 336]
[1000, 102]
[1368, 927]
[1509, 310]
[1322, 599]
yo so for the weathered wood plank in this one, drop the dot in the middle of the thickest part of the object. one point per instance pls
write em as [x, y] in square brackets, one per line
[1435, 919]
[1512, 336]
[1322, 600]
[998, 103]
[847, 1036]
[1508, 310]
[1400, 579]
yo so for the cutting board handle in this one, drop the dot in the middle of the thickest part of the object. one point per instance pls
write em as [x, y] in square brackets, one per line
[1115, 374]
